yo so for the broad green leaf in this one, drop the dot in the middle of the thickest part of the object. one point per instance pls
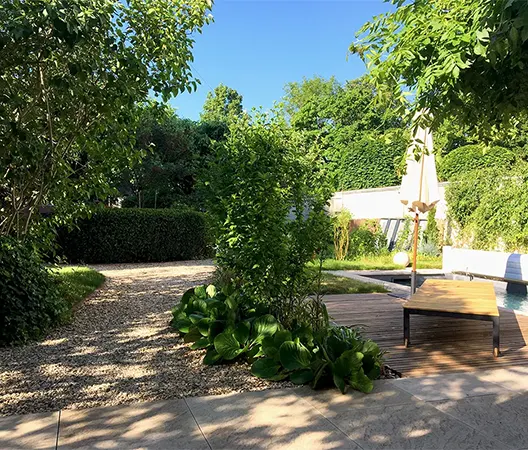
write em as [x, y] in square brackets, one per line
[227, 346]
[370, 348]
[360, 382]
[211, 290]
[269, 347]
[302, 376]
[264, 326]
[340, 383]
[187, 296]
[242, 333]
[294, 355]
[195, 317]
[265, 368]
[200, 292]
[211, 357]
[201, 343]
[216, 328]
[203, 325]
[193, 335]
[182, 325]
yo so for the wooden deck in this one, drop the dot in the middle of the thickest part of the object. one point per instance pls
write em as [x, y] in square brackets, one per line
[439, 344]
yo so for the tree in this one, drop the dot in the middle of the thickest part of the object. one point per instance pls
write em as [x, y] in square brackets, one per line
[459, 59]
[71, 75]
[222, 105]
[176, 151]
[349, 127]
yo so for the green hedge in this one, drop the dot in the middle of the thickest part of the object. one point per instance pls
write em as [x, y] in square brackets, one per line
[371, 162]
[136, 235]
[472, 157]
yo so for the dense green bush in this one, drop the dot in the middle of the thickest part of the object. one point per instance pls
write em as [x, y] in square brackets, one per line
[371, 162]
[231, 327]
[30, 300]
[131, 235]
[471, 157]
[367, 240]
[268, 195]
[489, 206]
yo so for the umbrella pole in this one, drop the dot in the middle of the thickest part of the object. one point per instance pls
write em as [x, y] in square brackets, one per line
[415, 251]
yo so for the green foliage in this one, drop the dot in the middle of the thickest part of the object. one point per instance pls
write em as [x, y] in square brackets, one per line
[222, 105]
[459, 59]
[31, 302]
[72, 74]
[341, 222]
[360, 141]
[176, 151]
[489, 206]
[371, 161]
[404, 241]
[431, 235]
[471, 157]
[336, 355]
[268, 196]
[382, 262]
[229, 326]
[133, 235]
[76, 283]
[367, 240]
[223, 323]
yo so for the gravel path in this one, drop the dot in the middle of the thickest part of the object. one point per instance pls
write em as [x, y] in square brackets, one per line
[119, 349]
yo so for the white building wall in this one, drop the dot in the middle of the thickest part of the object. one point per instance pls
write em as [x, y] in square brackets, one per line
[378, 203]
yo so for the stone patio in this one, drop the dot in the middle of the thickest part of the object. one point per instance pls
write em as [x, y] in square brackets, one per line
[485, 410]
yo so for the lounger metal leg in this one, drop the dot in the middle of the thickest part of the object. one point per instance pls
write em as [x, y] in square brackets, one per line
[496, 336]
[406, 328]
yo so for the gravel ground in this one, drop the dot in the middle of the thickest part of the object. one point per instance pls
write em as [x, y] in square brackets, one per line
[119, 349]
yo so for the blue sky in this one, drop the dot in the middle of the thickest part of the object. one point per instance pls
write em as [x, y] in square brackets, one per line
[257, 46]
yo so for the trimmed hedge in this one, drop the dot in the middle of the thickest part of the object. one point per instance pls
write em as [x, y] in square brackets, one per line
[121, 235]
[471, 157]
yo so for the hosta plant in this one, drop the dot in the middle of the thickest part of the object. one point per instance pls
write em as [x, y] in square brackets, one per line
[336, 354]
[220, 322]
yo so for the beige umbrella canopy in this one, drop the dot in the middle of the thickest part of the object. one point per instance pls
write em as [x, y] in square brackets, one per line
[419, 188]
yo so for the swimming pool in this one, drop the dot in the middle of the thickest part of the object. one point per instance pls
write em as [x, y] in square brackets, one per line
[509, 295]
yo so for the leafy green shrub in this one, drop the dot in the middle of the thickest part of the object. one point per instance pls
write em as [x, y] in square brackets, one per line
[341, 223]
[335, 355]
[371, 162]
[404, 241]
[229, 326]
[268, 194]
[131, 235]
[367, 240]
[489, 206]
[30, 300]
[470, 157]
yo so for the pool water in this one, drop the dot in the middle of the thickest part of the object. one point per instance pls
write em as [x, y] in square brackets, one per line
[509, 295]
[512, 300]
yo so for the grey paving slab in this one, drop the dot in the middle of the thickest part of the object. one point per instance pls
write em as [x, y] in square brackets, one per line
[503, 417]
[267, 419]
[29, 431]
[448, 386]
[331, 402]
[514, 378]
[164, 425]
[412, 426]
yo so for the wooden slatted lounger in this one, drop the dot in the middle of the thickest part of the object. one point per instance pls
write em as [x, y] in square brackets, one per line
[458, 299]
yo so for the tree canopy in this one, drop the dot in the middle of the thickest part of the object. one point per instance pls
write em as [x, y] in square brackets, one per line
[361, 141]
[466, 59]
[222, 105]
[71, 75]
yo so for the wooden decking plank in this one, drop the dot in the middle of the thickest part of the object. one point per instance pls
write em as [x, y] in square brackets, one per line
[439, 344]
